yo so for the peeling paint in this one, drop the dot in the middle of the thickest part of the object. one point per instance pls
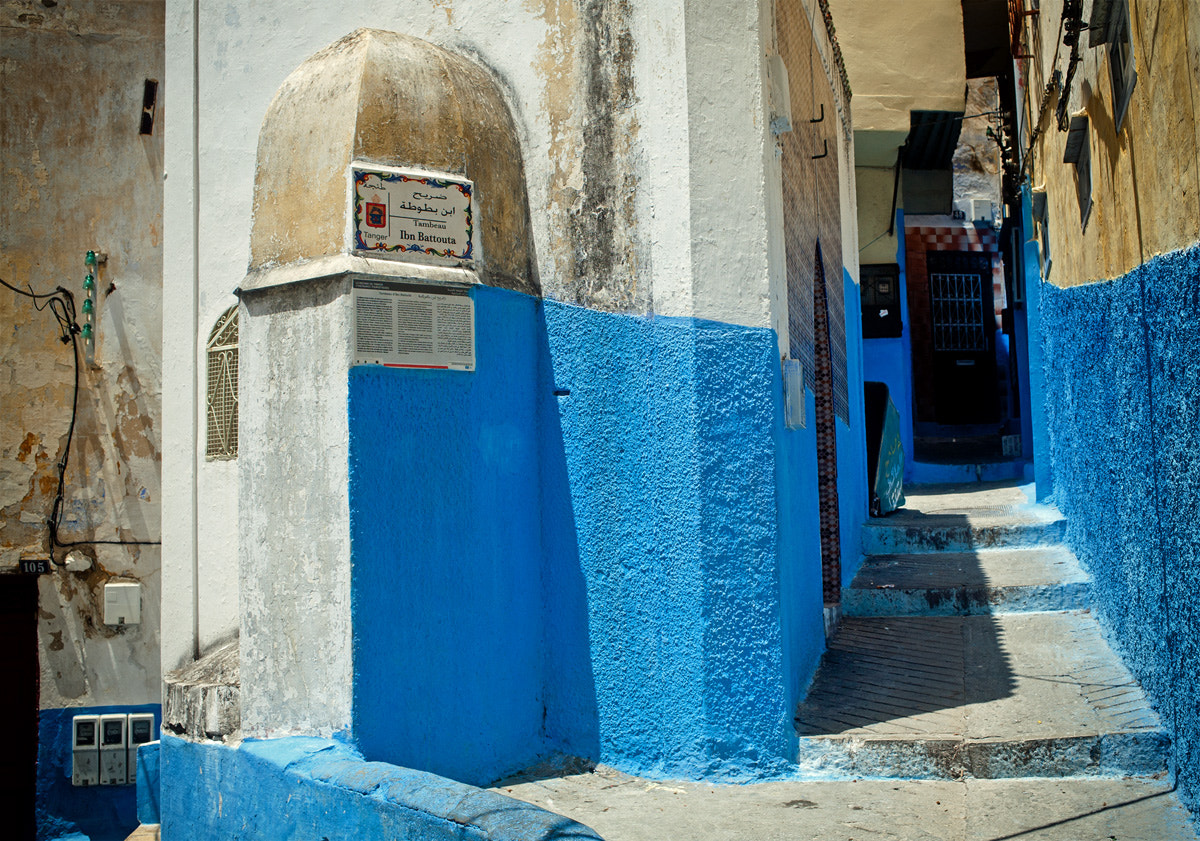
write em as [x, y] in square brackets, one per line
[77, 126]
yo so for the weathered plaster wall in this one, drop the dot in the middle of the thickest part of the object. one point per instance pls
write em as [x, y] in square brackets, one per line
[908, 59]
[976, 162]
[1145, 178]
[874, 187]
[1121, 384]
[293, 515]
[76, 175]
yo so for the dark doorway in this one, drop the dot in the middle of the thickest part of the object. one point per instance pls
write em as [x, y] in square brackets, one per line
[962, 323]
[19, 700]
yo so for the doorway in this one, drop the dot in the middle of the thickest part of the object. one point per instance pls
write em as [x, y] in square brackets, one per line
[962, 328]
[19, 700]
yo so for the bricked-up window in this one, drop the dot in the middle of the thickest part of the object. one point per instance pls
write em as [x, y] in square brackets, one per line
[222, 438]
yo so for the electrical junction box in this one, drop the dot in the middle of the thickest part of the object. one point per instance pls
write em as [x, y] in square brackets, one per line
[114, 747]
[141, 731]
[85, 750]
[122, 603]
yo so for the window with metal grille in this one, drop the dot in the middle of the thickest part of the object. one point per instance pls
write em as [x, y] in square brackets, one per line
[957, 312]
[222, 439]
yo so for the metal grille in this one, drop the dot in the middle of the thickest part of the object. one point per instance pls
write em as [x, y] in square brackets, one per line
[222, 438]
[957, 312]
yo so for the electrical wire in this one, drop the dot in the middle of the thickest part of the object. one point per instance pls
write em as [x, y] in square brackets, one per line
[61, 303]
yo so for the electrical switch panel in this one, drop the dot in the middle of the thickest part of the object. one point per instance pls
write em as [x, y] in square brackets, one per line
[114, 746]
[122, 603]
[85, 750]
[141, 731]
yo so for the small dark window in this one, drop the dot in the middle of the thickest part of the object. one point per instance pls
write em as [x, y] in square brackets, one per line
[880, 290]
[1079, 152]
[149, 105]
[1120, 62]
[1109, 25]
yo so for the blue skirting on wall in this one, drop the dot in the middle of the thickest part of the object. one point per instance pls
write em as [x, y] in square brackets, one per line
[309, 788]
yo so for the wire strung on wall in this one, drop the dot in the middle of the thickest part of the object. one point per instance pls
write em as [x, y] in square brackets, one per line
[61, 303]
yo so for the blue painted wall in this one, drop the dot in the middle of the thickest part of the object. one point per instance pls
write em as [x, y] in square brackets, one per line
[1123, 409]
[853, 500]
[890, 360]
[662, 532]
[308, 788]
[446, 554]
[582, 546]
[103, 813]
[1038, 422]
[801, 596]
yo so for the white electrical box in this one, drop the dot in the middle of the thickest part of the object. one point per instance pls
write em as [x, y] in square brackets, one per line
[793, 394]
[122, 603]
[85, 750]
[141, 731]
[114, 746]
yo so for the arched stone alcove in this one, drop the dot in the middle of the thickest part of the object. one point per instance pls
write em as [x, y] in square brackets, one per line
[390, 101]
[383, 98]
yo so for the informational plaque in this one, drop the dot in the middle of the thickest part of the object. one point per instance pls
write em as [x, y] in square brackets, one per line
[410, 324]
[400, 213]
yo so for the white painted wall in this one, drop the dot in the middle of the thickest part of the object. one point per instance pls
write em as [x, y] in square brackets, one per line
[697, 144]
[295, 512]
[696, 140]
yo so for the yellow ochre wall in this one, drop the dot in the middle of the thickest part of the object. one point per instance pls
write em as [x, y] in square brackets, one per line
[1146, 177]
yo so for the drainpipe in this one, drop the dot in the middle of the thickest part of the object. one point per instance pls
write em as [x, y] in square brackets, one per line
[195, 529]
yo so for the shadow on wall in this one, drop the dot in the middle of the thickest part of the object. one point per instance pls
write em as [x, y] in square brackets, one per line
[1122, 375]
[575, 549]
[571, 722]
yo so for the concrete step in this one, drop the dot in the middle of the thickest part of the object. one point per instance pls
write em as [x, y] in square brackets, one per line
[967, 583]
[994, 696]
[907, 531]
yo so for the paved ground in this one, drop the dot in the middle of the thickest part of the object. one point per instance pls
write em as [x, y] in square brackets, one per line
[969, 671]
[624, 808]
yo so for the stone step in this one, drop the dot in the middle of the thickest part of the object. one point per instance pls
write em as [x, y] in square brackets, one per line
[967, 583]
[995, 696]
[907, 531]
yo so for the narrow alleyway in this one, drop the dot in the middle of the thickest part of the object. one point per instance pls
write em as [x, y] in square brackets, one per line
[968, 650]
[969, 695]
